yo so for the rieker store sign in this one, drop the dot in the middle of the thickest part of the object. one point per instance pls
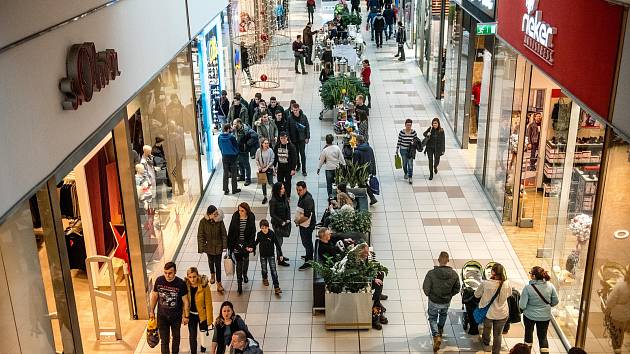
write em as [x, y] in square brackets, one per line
[575, 42]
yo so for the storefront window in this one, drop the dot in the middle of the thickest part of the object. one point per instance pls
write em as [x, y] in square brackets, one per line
[462, 87]
[436, 54]
[609, 314]
[452, 63]
[482, 73]
[168, 186]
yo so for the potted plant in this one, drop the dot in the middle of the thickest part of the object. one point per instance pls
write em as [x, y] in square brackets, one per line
[348, 291]
[355, 176]
[335, 89]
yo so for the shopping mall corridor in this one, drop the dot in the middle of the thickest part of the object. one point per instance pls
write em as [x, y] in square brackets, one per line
[411, 225]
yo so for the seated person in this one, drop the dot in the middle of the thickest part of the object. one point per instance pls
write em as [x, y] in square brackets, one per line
[343, 197]
[331, 246]
[332, 31]
[327, 73]
[327, 56]
[377, 285]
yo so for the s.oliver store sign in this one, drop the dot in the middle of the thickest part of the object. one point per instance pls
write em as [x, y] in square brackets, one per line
[573, 41]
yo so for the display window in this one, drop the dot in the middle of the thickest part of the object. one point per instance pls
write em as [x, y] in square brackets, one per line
[449, 91]
[435, 52]
[167, 169]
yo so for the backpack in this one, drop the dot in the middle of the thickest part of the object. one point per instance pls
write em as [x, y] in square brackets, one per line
[515, 311]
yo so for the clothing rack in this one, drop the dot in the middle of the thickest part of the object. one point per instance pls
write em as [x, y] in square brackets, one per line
[68, 198]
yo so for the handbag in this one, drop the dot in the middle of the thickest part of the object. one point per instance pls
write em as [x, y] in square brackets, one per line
[228, 265]
[397, 162]
[205, 340]
[479, 314]
[284, 231]
[262, 178]
[375, 185]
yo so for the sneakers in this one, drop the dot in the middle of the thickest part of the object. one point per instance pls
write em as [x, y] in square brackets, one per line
[220, 287]
[265, 282]
[245, 279]
[435, 170]
[304, 174]
[431, 177]
[238, 190]
[437, 341]
[384, 297]
[401, 59]
[305, 266]
[212, 278]
[226, 192]
[373, 202]
[277, 291]
[304, 73]
[410, 180]
[264, 201]
[247, 183]
[283, 263]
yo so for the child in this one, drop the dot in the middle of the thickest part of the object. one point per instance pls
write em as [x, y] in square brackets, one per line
[266, 241]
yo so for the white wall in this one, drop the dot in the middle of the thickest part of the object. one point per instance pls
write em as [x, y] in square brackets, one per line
[36, 134]
[202, 11]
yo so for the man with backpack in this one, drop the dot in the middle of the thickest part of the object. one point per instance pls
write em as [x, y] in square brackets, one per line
[390, 19]
[378, 24]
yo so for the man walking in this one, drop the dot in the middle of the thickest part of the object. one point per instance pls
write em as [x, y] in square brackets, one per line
[356, 7]
[307, 34]
[401, 38]
[364, 154]
[440, 285]
[284, 164]
[305, 220]
[379, 26]
[299, 51]
[229, 155]
[170, 296]
[299, 133]
[330, 158]
[310, 8]
[390, 20]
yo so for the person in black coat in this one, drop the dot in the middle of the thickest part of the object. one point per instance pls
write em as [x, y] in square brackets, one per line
[365, 154]
[222, 336]
[285, 162]
[280, 212]
[241, 240]
[435, 145]
[299, 133]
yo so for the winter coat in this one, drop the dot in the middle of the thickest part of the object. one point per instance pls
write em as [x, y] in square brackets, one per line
[203, 299]
[244, 57]
[223, 338]
[364, 154]
[233, 234]
[227, 144]
[441, 284]
[307, 35]
[222, 107]
[435, 142]
[279, 210]
[272, 110]
[247, 139]
[269, 131]
[533, 306]
[211, 236]
[267, 243]
[401, 35]
[251, 110]
[499, 309]
[299, 129]
[390, 16]
[515, 311]
[252, 348]
[241, 113]
[283, 125]
[378, 23]
[286, 157]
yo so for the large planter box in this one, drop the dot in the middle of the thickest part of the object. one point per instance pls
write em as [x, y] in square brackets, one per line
[349, 310]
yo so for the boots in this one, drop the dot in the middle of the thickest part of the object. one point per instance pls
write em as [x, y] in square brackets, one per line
[240, 288]
[220, 287]
[212, 278]
[265, 282]
[277, 290]
[437, 341]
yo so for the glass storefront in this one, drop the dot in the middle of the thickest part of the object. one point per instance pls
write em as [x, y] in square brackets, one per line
[435, 51]
[454, 31]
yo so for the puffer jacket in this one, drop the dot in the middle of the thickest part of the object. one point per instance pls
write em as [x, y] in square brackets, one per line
[435, 142]
[364, 154]
[203, 300]
[211, 236]
[533, 306]
[441, 284]
[299, 129]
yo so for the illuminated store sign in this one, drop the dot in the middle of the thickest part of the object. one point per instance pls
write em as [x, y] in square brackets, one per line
[538, 34]
[87, 71]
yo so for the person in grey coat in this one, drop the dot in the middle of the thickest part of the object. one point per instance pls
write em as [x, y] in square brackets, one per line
[212, 240]
[440, 285]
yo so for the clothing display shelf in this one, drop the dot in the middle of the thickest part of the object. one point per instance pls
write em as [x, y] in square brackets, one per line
[583, 190]
[555, 154]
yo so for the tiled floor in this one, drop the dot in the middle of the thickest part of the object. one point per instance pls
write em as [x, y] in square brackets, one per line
[412, 224]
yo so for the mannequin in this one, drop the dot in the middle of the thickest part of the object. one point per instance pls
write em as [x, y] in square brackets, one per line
[143, 186]
[147, 161]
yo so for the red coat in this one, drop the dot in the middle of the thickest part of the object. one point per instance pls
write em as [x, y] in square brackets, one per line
[365, 75]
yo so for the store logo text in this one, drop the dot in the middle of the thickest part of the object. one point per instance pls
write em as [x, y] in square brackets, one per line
[87, 71]
[538, 34]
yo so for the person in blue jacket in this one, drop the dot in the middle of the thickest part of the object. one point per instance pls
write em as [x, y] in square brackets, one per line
[365, 154]
[229, 155]
[537, 299]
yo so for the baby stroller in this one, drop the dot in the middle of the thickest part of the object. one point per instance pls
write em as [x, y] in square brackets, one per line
[472, 276]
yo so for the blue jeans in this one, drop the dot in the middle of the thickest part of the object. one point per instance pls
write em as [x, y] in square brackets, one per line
[406, 162]
[437, 314]
[330, 178]
[272, 268]
[244, 169]
[306, 235]
[389, 29]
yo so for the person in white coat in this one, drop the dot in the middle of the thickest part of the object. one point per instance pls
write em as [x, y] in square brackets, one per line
[330, 158]
[498, 311]
[618, 308]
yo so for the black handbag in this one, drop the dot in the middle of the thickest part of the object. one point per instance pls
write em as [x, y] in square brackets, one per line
[284, 231]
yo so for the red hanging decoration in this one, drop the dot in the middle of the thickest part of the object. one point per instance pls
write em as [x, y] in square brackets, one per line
[264, 37]
[263, 77]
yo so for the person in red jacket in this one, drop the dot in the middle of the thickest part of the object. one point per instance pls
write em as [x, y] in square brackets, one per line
[366, 72]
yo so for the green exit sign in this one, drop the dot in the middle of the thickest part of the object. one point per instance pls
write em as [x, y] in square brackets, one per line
[486, 29]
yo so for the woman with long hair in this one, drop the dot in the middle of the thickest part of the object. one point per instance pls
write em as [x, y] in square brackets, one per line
[435, 145]
[264, 162]
[494, 293]
[537, 299]
[200, 300]
[280, 213]
[225, 325]
[241, 239]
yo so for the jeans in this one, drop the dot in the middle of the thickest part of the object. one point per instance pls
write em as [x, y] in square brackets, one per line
[311, 13]
[533, 157]
[437, 314]
[215, 265]
[272, 268]
[280, 242]
[496, 326]
[245, 170]
[434, 160]
[279, 20]
[285, 177]
[269, 174]
[299, 59]
[407, 163]
[330, 178]
[378, 289]
[389, 29]
[306, 235]
[230, 170]
[300, 146]
[242, 265]
[401, 50]
[166, 326]
[541, 333]
[193, 325]
[308, 53]
[379, 38]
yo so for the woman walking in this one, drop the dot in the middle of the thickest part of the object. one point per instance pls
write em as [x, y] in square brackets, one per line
[406, 148]
[494, 293]
[225, 325]
[212, 240]
[435, 145]
[280, 212]
[200, 300]
[537, 299]
[264, 161]
[240, 239]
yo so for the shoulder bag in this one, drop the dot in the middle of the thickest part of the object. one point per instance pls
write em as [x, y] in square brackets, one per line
[541, 297]
[479, 314]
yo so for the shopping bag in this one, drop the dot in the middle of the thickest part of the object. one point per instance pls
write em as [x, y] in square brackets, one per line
[152, 333]
[375, 186]
[397, 162]
[205, 340]
[262, 178]
[228, 265]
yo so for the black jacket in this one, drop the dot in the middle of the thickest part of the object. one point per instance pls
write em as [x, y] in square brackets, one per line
[299, 129]
[223, 339]
[285, 152]
[272, 110]
[248, 140]
[280, 211]
[327, 56]
[401, 35]
[435, 143]
[233, 233]
[364, 154]
[390, 16]
[283, 125]
[266, 244]
[223, 108]
[441, 284]
[378, 23]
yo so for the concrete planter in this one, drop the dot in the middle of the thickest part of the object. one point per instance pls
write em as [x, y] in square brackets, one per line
[349, 310]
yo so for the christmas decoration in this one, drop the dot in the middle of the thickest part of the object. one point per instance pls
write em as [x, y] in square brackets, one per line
[580, 226]
[263, 77]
